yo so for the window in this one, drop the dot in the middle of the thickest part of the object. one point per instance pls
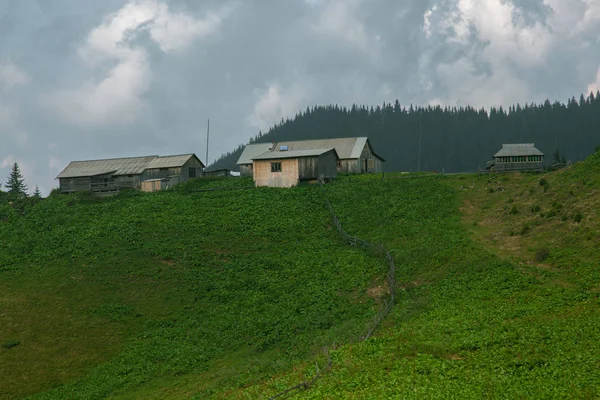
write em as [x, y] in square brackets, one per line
[371, 164]
[275, 167]
[192, 172]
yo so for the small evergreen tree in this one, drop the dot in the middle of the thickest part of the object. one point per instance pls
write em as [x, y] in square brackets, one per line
[15, 184]
[37, 194]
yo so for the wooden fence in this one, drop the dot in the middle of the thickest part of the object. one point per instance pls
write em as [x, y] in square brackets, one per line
[385, 310]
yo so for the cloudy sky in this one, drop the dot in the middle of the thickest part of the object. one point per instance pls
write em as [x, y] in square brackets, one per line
[110, 78]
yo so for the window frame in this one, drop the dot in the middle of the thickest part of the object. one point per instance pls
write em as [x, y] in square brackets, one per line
[276, 166]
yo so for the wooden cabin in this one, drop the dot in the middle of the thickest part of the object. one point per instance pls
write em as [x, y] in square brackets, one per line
[356, 154]
[113, 175]
[249, 152]
[224, 172]
[287, 168]
[517, 157]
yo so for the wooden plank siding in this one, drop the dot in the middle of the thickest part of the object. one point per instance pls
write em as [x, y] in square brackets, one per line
[368, 162]
[246, 170]
[70, 185]
[287, 177]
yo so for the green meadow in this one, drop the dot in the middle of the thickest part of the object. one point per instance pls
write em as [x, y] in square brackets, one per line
[241, 293]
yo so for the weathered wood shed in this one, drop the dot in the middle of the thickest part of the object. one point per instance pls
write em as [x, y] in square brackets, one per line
[518, 157]
[288, 168]
[249, 152]
[356, 154]
[112, 175]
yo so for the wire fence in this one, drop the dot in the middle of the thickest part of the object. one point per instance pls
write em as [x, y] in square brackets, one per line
[388, 303]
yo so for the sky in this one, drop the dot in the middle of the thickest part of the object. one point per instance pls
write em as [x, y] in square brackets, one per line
[116, 78]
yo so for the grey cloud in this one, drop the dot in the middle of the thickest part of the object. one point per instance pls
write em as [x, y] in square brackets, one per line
[262, 45]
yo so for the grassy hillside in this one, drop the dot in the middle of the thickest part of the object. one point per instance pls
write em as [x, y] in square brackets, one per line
[475, 321]
[235, 294]
[99, 298]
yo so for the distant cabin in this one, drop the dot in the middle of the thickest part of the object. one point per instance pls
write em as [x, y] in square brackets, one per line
[356, 155]
[249, 152]
[288, 168]
[518, 157]
[217, 172]
[148, 173]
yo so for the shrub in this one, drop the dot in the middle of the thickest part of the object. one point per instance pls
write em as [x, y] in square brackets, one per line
[514, 210]
[551, 213]
[543, 182]
[577, 217]
[535, 209]
[525, 229]
[490, 190]
[510, 200]
[9, 344]
[542, 254]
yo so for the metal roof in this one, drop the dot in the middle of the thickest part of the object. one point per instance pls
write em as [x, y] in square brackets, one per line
[252, 150]
[121, 166]
[170, 161]
[518, 149]
[346, 148]
[273, 155]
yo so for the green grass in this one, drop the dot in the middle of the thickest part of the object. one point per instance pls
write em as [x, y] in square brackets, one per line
[236, 294]
[106, 296]
[470, 322]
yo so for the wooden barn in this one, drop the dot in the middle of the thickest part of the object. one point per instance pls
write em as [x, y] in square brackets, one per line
[517, 157]
[113, 175]
[356, 154]
[249, 152]
[288, 168]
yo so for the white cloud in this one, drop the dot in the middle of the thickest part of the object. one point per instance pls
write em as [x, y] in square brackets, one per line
[595, 86]
[54, 164]
[276, 103]
[7, 161]
[11, 75]
[118, 98]
[338, 19]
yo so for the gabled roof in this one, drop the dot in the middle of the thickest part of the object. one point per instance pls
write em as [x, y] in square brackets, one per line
[252, 150]
[172, 161]
[346, 148]
[123, 166]
[518, 149]
[274, 155]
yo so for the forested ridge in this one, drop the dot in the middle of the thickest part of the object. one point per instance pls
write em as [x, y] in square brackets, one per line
[452, 139]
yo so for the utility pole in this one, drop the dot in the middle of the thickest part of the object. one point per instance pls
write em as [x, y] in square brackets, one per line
[420, 131]
[207, 136]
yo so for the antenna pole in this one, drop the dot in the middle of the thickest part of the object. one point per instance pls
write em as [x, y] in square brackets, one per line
[207, 136]
[420, 129]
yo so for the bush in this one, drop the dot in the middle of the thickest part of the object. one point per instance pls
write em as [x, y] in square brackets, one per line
[551, 213]
[525, 229]
[535, 209]
[543, 182]
[514, 210]
[542, 254]
[490, 190]
[9, 344]
[577, 217]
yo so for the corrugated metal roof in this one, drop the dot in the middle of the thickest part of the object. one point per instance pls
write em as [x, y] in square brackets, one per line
[274, 155]
[346, 148]
[518, 149]
[252, 150]
[170, 161]
[121, 166]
